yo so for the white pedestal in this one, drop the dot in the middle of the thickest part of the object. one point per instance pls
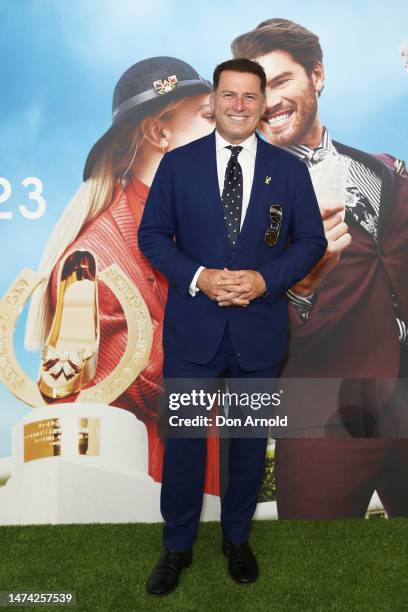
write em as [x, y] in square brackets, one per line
[266, 511]
[109, 487]
[112, 486]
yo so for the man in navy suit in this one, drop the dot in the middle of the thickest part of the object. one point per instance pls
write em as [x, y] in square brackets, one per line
[232, 222]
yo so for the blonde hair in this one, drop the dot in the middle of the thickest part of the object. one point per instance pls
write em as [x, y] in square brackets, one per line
[113, 167]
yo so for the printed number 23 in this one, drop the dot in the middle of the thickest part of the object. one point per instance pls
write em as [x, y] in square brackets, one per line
[32, 195]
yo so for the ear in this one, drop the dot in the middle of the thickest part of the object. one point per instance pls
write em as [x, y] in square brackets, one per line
[212, 102]
[318, 77]
[264, 105]
[155, 132]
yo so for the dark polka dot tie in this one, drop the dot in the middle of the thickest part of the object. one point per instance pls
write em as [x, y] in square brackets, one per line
[232, 195]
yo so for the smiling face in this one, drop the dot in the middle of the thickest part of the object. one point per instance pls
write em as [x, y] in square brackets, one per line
[238, 104]
[291, 114]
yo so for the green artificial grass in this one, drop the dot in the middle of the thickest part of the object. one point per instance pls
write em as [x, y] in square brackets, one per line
[304, 565]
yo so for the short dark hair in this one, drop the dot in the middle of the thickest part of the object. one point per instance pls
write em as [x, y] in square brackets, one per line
[241, 64]
[280, 34]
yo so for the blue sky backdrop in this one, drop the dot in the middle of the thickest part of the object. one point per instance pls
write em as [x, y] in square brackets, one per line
[60, 60]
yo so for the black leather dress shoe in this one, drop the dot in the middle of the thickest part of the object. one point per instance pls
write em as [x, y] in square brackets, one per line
[164, 577]
[242, 565]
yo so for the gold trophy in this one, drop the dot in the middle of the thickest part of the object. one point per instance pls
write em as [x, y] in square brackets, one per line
[81, 460]
[76, 308]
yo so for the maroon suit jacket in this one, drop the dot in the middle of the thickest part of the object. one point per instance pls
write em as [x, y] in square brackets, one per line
[352, 332]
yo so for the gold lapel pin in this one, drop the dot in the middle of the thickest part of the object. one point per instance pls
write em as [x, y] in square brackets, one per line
[267, 180]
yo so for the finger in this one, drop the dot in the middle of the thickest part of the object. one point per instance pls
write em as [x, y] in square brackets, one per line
[237, 274]
[226, 303]
[231, 279]
[339, 245]
[332, 221]
[221, 279]
[227, 272]
[247, 296]
[337, 231]
[227, 295]
[228, 280]
[245, 275]
[240, 302]
[233, 272]
[328, 212]
[234, 302]
[235, 287]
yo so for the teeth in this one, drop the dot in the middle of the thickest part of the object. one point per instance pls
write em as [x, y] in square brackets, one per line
[279, 118]
[237, 117]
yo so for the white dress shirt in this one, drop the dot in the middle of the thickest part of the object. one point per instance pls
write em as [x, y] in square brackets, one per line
[246, 158]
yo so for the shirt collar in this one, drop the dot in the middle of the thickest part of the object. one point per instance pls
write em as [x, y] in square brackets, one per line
[249, 143]
[304, 151]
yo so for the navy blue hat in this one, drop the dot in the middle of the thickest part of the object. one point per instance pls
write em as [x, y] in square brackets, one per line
[143, 90]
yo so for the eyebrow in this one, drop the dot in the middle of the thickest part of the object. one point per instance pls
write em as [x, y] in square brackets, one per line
[246, 93]
[280, 76]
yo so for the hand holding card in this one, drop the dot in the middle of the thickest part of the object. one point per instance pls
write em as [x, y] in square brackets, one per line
[329, 178]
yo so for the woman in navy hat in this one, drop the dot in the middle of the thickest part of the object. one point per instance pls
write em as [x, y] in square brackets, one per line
[158, 104]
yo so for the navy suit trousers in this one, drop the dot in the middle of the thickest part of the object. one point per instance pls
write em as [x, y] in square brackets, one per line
[184, 460]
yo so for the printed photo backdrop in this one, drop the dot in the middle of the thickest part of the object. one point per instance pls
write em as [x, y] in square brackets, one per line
[60, 62]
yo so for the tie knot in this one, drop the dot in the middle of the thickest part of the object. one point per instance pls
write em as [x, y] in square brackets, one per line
[235, 151]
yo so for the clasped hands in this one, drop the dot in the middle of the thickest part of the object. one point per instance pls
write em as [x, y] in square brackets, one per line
[231, 287]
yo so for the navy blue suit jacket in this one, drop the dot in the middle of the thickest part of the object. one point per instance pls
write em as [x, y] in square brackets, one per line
[183, 227]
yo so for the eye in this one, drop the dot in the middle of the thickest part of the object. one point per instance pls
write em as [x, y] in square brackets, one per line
[250, 98]
[205, 112]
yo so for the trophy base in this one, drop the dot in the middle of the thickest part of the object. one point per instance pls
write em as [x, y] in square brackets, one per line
[66, 492]
[82, 463]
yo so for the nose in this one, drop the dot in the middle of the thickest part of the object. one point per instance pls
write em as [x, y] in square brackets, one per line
[239, 104]
[273, 100]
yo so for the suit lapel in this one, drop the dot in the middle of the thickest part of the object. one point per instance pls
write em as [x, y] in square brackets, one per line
[207, 183]
[208, 187]
[387, 198]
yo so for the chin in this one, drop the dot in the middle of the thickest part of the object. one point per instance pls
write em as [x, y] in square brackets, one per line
[284, 138]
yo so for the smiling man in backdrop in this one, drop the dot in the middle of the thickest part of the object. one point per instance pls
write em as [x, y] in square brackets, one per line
[349, 314]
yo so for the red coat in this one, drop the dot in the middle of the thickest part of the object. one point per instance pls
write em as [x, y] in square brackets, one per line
[112, 238]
